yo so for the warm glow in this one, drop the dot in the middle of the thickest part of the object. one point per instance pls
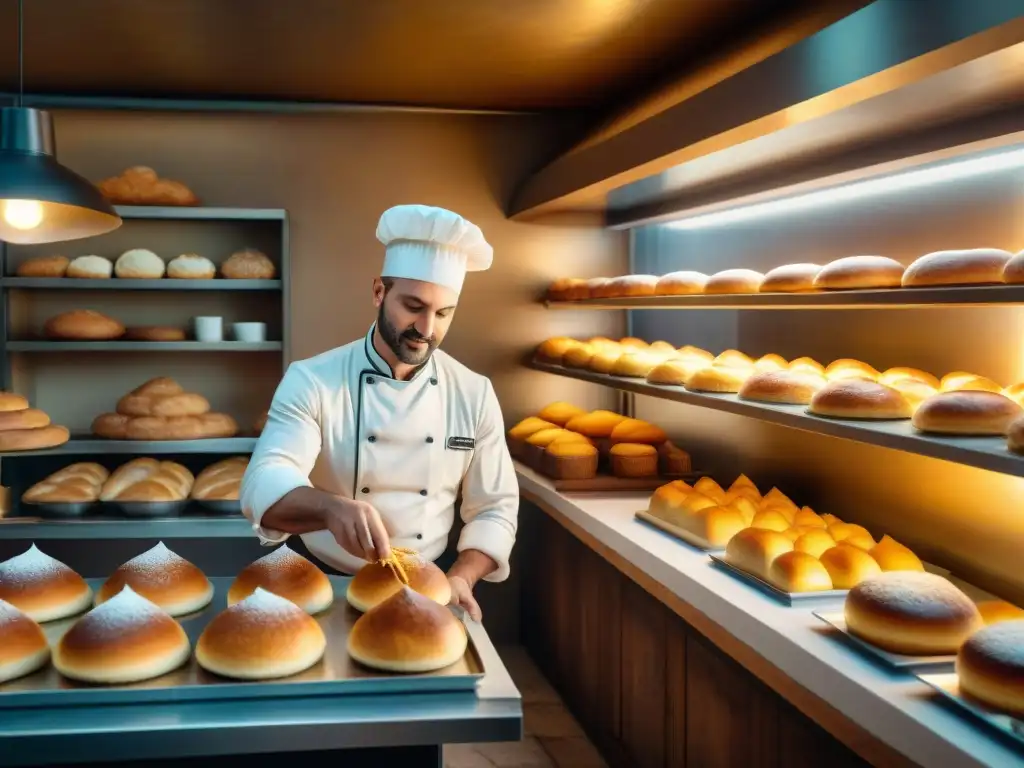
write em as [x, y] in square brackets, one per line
[899, 182]
[23, 214]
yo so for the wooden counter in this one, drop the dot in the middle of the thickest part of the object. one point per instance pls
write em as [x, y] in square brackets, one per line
[669, 661]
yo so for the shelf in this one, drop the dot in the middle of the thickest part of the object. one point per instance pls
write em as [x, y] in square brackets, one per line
[988, 453]
[95, 445]
[199, 213]
[125, 284]
[188, 526]
[143, 346]
[886, 298]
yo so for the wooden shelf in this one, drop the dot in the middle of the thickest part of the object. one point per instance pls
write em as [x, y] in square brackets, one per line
[187, 526]
[125, 284]
[143, 346]
[95, 445]
[199, 213]
[887, 298]
[988, 453]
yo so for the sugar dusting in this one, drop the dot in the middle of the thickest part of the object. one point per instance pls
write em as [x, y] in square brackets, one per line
[263, 607]
[156, 565]
[279, 558]
[30, 566]
[10, 615]
[121, 613]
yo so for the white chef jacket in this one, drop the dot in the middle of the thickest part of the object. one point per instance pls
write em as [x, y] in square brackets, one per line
[341, 422]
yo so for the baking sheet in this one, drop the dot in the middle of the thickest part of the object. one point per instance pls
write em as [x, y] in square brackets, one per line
[947, 684]
[335, 674]
[687, 537]
[788, 598]
[897, 660]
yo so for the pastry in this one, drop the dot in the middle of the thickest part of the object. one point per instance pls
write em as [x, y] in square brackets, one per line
[191, 266]
[407, 633]
[33, 439]
[848, 565]
[851, 533]
[790, 278]
[139, 263]
[560, 413]
[808, 364]
[520, 432]
[43, 266]
[376, 582]
[74, 483]
[162, 397]
[166, 579]
[532, 451]
[146, 479]
[83, 324]
[860, 272]
[911, 612]
[91, 267]
[570, 460]
[788, 387]
[966, 413]
[29, 418]
[859, 399]
[23, 645]
[845, 368]
[634, 460]
[755, 549]
[990, 667]
[815, 543]
[248, 264]
[971, 267]
[799, 572]
[12, 401]
[44, 588]
[287, 574]
[673, 372]
[222, 480]
[734, 281]
[140, 185]
[680, 283]
[155, 333]
[770, 362]
[635, 365]
[596, 424]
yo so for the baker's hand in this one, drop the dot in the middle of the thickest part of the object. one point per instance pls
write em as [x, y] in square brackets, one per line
[358, 529]
[462, 596]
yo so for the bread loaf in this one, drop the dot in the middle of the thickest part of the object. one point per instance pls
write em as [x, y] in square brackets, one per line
[248, 264]
[790, 278]
[859, 272]
[207, 426]
[222, 480]
[680, 283]
[972, 267]
[155, 333]
[83, 324]
[91, 267]
[966, 413]
[146, 479]
[139, 263]
[734, 281]
[33, 439]
[74, 483]
[140, 185]
[859, 399]
[191, 266]
[43, 266]
[181, 404]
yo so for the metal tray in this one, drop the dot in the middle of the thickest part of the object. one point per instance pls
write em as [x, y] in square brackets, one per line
[221, 506]
[787, 598]
[685, 536]
[54, 509]
[948, 685]
[148, 508]
[336, 674]
[896, 660]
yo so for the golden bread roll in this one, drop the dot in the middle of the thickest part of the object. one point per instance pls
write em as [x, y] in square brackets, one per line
[807, 364]
[673, 460]
[893, 556]
[976, 266]
[140, 185]
[851, 533]
[1015, 392]
[770, 520]
[560, 413]
[695, 353]
[33, 439]
[806, 517]
[261, 637]
[29, 418]
[23, 644]
[603, 343]
[163, 577]
[43, 266]
[830, 519]
[815, 543]
[91, 268]
[996, 611]
[181, 404]
[892, 375]
[990, 667]
[286, 574]
[604, 360]
[846, 368]
[566, 459]
[634, 460]
[83, 324]
[667, 498]
[789, 387]
[911, 612]
[146, 479]
[74, 483]
[637, 431]
[635, 365]
[966, 413]
[139, 263]
[11, 401]
[711, 489]
[790, 278]
[718, 378]
[579, 357]
[407, 633]
[716, 525]
[248, 264]
[961, 381]
[859, 399]
[755, 549]
[376, 582]
[633, 344]
[1013, 272]
[680, 283]
[799, 572]
[733, 358]
[672, 372]
[734, 281]
[598, 287]
[860, 272]
[558, 289]
[528, 426]
[770, 362]
[112, 426]
[44, 588]
[848, 565]
[577, 289]
[596, 424]
[125, 640]
[221, 481]
[155, 333]
[191, 266]
[551, 350]
[915, 391]
[663, 349]
[636, 285]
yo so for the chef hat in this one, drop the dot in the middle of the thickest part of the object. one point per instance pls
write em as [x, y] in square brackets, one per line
[431, 244]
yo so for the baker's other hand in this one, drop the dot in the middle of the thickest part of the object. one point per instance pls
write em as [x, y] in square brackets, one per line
[462, 596]
[358, 529]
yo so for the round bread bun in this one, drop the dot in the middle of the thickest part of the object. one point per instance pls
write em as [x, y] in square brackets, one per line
[997, 611]
[790, 278]
[911, 612]
[1013, 272]
[807, 364]
[551, 350]
[847, 368]
[579, 356]
[11, 401]
[125, 640]
[23, 645]
[635, 365]
[597, 287]
[733, 358]
[407, 633]
[899, 373]
[248, 264]
[261, 637]
[43, 266]
[770, 362]
[164, 578]
[961, 381]
[859, 399]
[672, 372]
[799, 572]
[789, 387]
[848, 565]
[633, 285]
[190, 266]
[33, 439]
[680, 283]
[734, 281]
[84, 324]
[860, 272]
[990, 667]
[287, 574]
[374, 583]
[44, 588]
[966, 413]
[90, 267]
[916, 392]
[755, 549]
[139, 263]
[977, 266]
[718, 378]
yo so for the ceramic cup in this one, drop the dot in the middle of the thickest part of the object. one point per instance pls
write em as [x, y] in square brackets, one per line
[208, 328]
[250, 332]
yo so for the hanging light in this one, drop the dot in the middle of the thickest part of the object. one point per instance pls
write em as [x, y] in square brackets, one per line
[41, 201]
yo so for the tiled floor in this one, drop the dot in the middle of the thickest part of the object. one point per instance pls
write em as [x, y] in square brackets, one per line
[552, 738]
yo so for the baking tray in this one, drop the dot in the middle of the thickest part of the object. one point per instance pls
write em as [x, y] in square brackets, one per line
[336, 674]
[687, 537]
[602, 483]
[148, 509]
[60, 510]
[947, 684]
[221, 506]
[901, 661]
[787, 598]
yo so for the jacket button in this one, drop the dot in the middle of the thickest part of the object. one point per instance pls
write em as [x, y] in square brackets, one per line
[430, 439]
[365, 490]
[369, 380]
[423, 492]
[434, 382]
[419, 535]
[372, 438]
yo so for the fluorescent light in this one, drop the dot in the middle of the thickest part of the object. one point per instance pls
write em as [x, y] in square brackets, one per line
[899, 182]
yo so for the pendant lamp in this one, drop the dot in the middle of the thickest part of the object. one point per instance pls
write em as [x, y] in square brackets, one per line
[41, 201]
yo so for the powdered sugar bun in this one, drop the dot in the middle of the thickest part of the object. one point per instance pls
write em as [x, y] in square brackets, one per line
[124, 640]
[162, 577]
[287, 574]
[23, 646]
[191, 266]
[44, 588]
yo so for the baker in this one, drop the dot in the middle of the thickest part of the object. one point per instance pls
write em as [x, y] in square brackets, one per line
[369, 445]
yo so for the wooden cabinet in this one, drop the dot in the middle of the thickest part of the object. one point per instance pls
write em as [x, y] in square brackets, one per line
[649, 689]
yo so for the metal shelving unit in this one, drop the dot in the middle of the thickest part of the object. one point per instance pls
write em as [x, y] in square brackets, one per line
[87, 444]
[126, 284]
[188, 526]
[144, 346]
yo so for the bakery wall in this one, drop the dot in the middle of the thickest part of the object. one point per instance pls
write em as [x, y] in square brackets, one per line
[966, 519]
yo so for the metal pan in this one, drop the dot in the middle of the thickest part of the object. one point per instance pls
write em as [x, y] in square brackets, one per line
[221, 506]
[901, 661]
[58, 509]
[948, 685]
[787, 598]
[148, 509]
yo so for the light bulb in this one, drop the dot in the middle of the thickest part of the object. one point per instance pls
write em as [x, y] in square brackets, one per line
[23, 214]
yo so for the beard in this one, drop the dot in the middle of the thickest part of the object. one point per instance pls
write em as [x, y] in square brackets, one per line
[396, 340]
